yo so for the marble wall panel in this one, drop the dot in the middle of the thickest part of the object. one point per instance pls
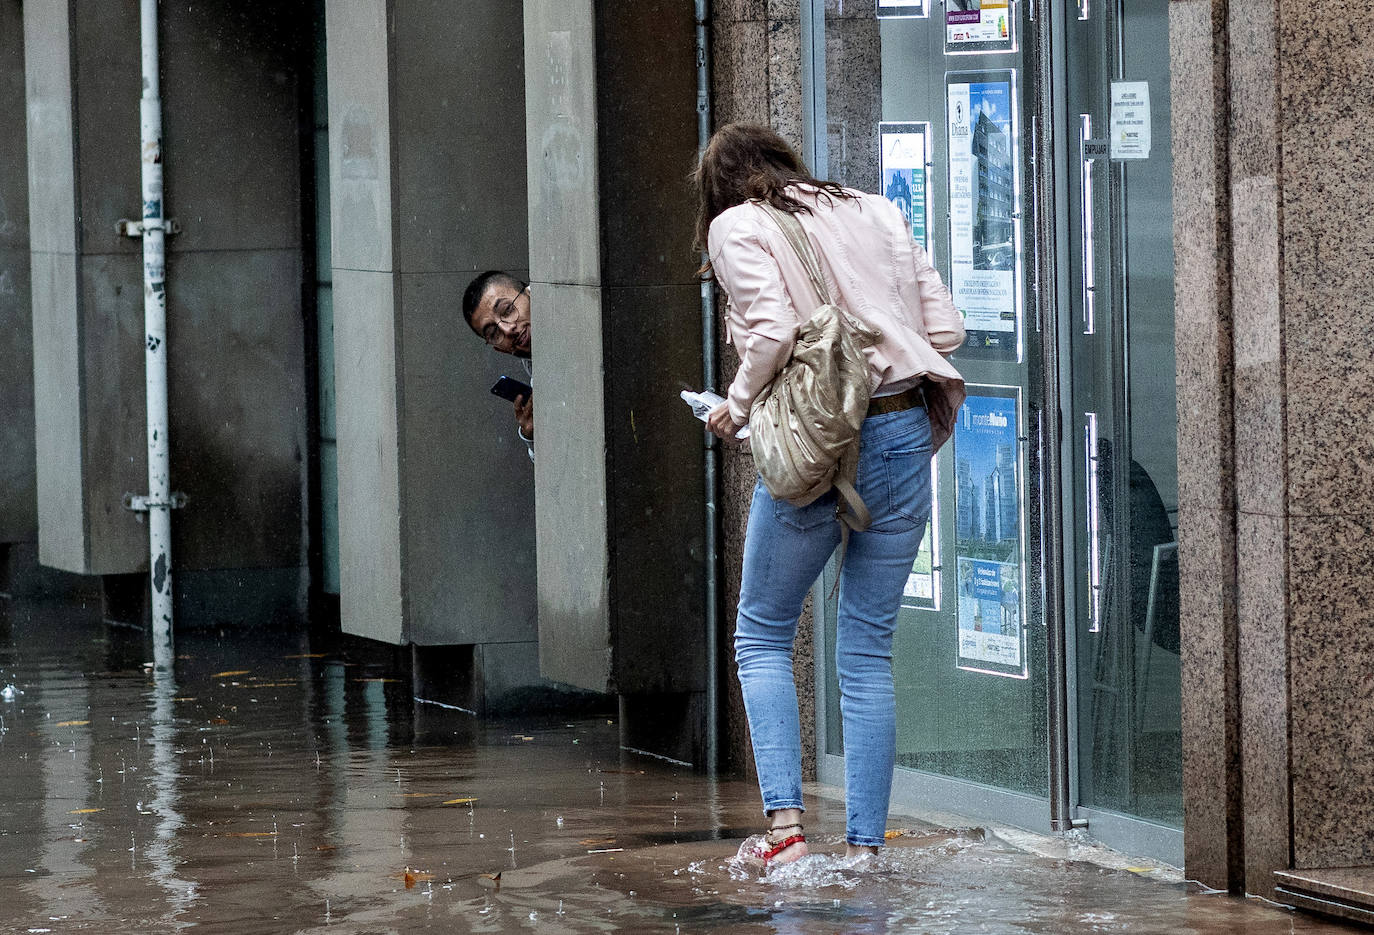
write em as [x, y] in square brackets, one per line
[1261, 606]
[1201, 246]
[739, 55]
[1327, 158]
[1210, 698]
[1331, 653]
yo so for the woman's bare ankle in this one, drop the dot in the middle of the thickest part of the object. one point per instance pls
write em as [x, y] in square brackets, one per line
[859, 850]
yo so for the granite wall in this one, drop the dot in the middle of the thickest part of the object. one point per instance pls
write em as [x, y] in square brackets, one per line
[1274, 384]
[756, 76]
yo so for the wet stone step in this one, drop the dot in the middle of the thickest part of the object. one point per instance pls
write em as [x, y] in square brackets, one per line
[1343, 892]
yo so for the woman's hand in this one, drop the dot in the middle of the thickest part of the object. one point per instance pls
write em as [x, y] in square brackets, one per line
[721, 423]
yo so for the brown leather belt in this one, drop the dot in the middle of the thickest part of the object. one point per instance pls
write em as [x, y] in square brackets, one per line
[913, 398]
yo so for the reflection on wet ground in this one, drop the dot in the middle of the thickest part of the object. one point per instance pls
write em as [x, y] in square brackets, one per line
[272, 786]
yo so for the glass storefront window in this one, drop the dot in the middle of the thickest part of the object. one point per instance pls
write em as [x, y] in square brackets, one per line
[936, 105]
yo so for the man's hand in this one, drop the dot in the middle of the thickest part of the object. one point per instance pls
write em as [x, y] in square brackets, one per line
[721, 423]
[524, 415]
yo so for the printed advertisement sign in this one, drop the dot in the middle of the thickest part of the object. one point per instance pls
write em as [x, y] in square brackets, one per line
[985, 211]
[905, 166]
[988, 503]
[923, 584]
[979, 26]
[1130, 132]
[892, 9]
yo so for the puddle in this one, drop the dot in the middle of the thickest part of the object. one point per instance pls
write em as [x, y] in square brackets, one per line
[269, 784]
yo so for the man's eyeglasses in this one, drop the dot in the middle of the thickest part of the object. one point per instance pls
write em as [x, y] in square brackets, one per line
[504, 310]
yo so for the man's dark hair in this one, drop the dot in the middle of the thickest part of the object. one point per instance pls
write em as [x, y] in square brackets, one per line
[479, 286]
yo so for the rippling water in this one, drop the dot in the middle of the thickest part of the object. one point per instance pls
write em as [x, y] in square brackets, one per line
[271, 784]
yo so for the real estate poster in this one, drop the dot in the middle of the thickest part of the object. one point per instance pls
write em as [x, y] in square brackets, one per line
[985, 211]
[979, 26]
[905, 166]
[987, 530]
[891, 9]
[922, 588]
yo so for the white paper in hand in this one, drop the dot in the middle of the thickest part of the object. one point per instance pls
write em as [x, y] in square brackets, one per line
[703, 402]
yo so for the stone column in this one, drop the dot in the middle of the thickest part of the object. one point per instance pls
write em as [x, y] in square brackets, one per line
[1277, 512]
[611, 111]
[427, 189]
[236, 364]
[18, 504]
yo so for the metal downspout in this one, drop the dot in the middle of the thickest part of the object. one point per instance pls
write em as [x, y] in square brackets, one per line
[159, 501]
[708, 379]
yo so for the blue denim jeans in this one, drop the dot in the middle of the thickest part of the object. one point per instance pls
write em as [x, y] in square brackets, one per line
[785, 548]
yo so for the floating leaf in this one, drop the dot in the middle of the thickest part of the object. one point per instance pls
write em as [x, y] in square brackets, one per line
[226, 674]
[1141, 869]
[894, 833]
[467, 801]
[411, 877]
[85, 811]
[219, 720]
[72, 723]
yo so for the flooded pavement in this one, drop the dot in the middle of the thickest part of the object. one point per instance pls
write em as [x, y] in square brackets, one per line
[271, 785]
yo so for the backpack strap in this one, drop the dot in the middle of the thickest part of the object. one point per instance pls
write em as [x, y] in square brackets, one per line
[796, 236]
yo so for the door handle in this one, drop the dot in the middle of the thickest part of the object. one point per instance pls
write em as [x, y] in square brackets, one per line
[1092, 479]
[1088, 151]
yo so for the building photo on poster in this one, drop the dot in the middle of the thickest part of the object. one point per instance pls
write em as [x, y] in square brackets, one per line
[984, 212]
[979, 27]
[987, 533]
[923, 583]
[905, 165]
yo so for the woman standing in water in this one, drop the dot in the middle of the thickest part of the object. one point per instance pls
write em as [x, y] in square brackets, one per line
[874, 271]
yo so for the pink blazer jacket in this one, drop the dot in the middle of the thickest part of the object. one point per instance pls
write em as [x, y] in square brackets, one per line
[872, 269]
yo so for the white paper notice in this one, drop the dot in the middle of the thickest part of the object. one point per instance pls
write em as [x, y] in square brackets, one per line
[1130, 133]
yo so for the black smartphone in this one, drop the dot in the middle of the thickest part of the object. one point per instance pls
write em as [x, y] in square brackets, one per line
[508, 388]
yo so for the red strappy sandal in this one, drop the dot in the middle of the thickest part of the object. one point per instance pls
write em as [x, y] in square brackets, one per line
[762, 848]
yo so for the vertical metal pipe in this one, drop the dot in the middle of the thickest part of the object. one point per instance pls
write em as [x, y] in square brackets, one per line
[709, 377]
[155, 345]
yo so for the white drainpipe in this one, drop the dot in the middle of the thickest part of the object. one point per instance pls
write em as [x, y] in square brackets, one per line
[159, 501]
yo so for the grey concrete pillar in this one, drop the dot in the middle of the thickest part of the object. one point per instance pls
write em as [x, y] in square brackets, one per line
[237, 383]
[427, 188]
[611, 127]
[18, 504]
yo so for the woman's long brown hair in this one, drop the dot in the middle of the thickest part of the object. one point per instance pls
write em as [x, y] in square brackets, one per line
[749, 162]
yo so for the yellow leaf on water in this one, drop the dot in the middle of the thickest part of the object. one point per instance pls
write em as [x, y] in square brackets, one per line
[893, 833]
[467, 801]
[229, 672]
[72, 723]
[85, 811]
[1141, 869]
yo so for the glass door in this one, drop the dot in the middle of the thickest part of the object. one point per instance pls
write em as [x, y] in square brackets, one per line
[1036, 658]
[948, 141]
[1121, 451]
